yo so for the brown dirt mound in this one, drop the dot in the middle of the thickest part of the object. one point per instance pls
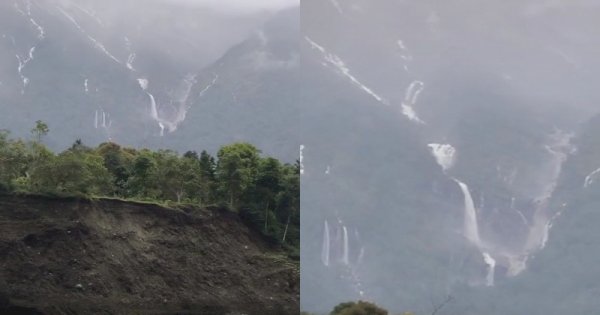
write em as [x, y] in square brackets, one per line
[70, 256]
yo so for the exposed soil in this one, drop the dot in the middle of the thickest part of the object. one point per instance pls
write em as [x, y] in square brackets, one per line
[71, 256]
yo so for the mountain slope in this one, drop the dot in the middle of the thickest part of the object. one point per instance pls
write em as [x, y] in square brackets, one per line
[107, 70]
[438, 144]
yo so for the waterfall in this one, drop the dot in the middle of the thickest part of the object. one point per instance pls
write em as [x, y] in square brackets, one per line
[444, 154]
[559, 150]
[301, 159]
[589, 180]
[491, 262]
[326, 244]
[471, 228]
[345, 257]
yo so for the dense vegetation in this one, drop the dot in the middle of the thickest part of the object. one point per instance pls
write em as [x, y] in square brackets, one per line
[262, 189]
[359, 308]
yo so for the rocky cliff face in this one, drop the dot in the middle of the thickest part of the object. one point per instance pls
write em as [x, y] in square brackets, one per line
[70, 256]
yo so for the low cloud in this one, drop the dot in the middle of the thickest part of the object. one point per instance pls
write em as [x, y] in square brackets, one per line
[242, 6]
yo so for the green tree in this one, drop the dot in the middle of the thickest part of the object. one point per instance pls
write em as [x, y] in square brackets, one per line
[142, 182]
[264, 195]
[41, 129]
[288, 202]
[176, 177]
[358, 308]
[236, 170]
[208, 187]
[71, 173]
[119, 163]
[261, 187]
[14, 159]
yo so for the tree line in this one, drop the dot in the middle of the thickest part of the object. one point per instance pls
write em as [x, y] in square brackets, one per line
[262, 189]
[369, 308]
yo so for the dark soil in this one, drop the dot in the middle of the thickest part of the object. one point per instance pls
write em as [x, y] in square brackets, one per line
[71, 256]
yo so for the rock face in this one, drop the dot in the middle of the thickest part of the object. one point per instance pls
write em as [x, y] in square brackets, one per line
[71, 256]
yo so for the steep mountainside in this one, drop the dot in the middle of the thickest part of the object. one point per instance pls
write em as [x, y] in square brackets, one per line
[565, 270]
[439, 145]
[69, 256]
[148, 73]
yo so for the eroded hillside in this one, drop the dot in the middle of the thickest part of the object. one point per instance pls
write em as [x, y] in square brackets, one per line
[72, 256]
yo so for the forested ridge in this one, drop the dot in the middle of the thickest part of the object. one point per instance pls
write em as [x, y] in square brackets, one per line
[263, 190]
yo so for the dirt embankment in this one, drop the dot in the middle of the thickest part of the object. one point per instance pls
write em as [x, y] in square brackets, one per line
[69, 256]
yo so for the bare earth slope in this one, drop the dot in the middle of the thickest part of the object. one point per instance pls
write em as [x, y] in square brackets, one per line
[71, 256]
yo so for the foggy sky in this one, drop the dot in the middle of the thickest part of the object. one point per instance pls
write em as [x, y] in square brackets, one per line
[242, 6]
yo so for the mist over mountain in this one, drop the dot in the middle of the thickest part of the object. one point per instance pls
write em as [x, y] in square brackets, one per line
[169, 74]
[449, 152]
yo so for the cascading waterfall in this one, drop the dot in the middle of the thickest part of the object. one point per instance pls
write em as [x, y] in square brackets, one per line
[143, 82]
[345, 254]
[471, 226]
[444, 154]
[170, 115]
[103, 121]
[336, 248]
[410, 99]
[326, 245]
[361, 256]
[491, 262]
[301, 159]
[334, 61]
[405, 54]
[96, 43]
[559, 149]
[539, 226]
[335, 253]
[589, 180]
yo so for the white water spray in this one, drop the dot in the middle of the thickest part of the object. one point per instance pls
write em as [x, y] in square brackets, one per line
[338, 64]
[559, 149]
[345, 255]
[23, 61]
[444, 154]
[130, 61]
[471, 226]
[589, 180]
[301, 159]
[410, 99]
[214, 81]
[27, 15]
[325, 250]
[96, 43]
[491, 262]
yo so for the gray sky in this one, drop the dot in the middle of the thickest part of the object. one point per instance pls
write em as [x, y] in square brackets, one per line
[243, 5]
